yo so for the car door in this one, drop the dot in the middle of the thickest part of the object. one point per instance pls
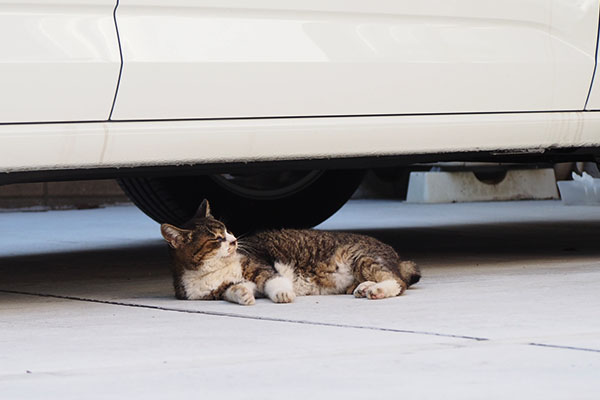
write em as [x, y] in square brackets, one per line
[188, 59]
[59, 60]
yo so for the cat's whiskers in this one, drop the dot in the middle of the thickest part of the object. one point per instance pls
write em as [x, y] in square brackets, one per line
[240, 240]
[242, 246]
[242, 236]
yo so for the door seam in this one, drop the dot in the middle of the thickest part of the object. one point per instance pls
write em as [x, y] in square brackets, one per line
[595, 62]
[121, 57]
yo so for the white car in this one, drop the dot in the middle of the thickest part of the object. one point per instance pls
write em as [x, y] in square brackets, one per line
[271, 109]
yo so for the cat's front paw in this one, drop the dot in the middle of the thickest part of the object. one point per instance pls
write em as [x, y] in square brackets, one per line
[384, 289]
[361, 290]
[246, 298]
[240, 294]
[280, 290]
[284, 297]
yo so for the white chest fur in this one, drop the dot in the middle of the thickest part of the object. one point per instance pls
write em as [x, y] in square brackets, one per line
[198, 284]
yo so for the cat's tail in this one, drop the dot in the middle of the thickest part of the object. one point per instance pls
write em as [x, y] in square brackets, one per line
[409, 272]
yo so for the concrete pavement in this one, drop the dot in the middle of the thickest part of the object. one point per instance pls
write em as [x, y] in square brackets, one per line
[508, 307]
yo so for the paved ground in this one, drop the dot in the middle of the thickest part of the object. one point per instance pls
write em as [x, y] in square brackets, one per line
[509, 307]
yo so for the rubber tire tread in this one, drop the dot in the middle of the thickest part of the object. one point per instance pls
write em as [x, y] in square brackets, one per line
[175, 199]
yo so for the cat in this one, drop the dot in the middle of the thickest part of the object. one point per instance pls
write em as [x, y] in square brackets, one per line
[209, 263]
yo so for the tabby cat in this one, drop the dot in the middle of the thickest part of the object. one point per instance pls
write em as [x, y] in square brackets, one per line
[210, 264]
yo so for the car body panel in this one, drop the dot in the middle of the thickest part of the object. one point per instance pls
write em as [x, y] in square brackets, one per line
[228, 59]
[593, 102]
[172, 143]
[59, 60]
[234, 81]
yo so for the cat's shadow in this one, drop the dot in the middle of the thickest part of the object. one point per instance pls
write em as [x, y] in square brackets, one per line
[511, 240]
[145, 267]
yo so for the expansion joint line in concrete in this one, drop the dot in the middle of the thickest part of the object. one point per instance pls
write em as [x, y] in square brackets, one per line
[290, 321]
[556, 346]
[241, 316]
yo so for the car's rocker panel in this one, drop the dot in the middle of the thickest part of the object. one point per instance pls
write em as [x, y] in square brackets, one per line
[135, 144]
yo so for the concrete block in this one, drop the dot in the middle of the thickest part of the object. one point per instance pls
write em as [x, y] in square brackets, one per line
[452, 187]
[584, 191]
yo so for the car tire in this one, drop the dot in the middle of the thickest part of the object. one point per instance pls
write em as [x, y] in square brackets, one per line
[175, 199]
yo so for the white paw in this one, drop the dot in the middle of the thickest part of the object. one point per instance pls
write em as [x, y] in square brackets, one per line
[381, 290]
[242, 293]
[284, 297]
[245, 298]
[280, 290]
[361, 290]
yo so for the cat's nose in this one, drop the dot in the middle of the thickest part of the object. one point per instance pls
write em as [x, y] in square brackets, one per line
[234, 242]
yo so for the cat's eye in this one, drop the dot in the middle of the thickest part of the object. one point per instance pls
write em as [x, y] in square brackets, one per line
[220, 239]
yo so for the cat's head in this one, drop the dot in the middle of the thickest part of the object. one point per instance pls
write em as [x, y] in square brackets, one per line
[203, 239]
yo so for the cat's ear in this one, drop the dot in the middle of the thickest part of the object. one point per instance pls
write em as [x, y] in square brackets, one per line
[203, 211]
[176, 237]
